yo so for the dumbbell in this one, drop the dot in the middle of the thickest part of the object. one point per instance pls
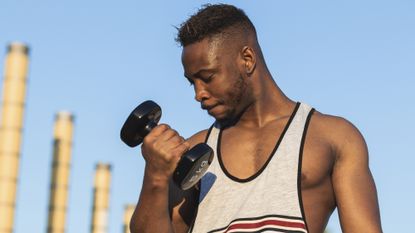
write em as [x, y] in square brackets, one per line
[193, 163]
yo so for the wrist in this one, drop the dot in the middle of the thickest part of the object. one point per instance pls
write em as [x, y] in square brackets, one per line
[156, 180]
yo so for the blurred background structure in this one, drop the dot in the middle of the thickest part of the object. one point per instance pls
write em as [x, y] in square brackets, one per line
[61, 165]
[128, 213]
[11, 128]
[101, 196]
[100, 59]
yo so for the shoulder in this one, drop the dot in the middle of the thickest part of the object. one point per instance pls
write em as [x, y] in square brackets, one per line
[198, 137]
[339, 133]
[331, 123]
[351, 179]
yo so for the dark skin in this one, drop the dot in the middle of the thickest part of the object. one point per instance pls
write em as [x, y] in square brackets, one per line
[232, 82]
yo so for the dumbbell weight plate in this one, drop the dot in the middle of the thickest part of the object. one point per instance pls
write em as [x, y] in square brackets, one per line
[193, 165]
[139, 123]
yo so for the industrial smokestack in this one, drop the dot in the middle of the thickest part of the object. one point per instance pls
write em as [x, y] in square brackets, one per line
[128, 213]
[99, 223]
[59, 185]
[11, 127]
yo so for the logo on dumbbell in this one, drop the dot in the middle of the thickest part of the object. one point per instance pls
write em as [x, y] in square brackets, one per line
[199, 171]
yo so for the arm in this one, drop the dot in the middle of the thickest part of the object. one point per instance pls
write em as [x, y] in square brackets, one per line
[353, 183]
[162, 207]
[151, 213]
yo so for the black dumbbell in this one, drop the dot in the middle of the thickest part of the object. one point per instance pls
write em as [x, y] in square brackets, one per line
[193, 164]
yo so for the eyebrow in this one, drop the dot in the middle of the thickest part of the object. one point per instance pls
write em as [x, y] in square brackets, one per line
[197, 74]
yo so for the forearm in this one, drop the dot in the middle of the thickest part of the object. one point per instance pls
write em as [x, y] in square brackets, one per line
[152, 213]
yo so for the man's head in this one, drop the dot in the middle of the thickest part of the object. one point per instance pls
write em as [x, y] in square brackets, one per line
[220, 51]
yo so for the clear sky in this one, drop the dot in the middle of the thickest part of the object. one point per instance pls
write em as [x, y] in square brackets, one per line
[99, 59]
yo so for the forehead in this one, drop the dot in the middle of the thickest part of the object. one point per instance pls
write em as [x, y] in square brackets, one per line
[200, 55]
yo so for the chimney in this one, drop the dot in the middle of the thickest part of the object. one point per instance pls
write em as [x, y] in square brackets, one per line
[61, 164]
[11, 127]
[99, 223]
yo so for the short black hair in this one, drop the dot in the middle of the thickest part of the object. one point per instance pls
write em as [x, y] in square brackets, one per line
[213, 20]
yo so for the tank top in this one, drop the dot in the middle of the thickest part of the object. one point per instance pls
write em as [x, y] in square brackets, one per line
[268, 201]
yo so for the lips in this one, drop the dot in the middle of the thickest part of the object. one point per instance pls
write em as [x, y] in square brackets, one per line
[208, 107]
[213, 109]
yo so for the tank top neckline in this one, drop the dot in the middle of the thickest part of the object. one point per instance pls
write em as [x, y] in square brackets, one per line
[252, 177]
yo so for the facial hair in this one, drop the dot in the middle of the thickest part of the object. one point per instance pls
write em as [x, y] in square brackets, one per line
[234, 98]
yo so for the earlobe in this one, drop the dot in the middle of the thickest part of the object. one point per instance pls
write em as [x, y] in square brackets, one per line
[249, 57]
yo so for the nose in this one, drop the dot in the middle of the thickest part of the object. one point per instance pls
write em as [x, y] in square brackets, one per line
[201, 92]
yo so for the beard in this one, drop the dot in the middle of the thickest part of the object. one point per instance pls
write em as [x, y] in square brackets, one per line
[235, 102]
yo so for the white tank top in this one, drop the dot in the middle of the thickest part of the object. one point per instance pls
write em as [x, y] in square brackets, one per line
[268, 201]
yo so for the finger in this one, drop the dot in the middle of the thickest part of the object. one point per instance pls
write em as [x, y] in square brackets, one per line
[172, 142]
[168, 134]
[180, 149]
[158, 130]
[174, 139]
[155, 133]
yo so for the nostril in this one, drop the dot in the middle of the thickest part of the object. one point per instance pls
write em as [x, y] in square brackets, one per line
[201, 98]
[201, 95]
[197, 98]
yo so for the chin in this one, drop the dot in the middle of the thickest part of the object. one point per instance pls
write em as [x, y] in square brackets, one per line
[226, 120]
[226, 116]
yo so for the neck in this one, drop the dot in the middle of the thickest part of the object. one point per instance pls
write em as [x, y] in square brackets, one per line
[269, 103]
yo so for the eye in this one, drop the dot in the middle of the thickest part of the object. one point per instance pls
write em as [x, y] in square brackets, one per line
[208, 79]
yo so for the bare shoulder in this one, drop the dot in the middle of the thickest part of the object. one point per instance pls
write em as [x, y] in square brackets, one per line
[198, 137]
[352, 181]
[339, 133]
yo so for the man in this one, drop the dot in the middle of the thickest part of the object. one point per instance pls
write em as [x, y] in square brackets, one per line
[279, 166]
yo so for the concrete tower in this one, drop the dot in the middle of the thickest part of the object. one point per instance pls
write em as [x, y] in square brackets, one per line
[128, 213]
[62, 147]
[11, 127]
[99, 223]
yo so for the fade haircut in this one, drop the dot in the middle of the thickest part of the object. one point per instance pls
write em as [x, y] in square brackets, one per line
[213, 20]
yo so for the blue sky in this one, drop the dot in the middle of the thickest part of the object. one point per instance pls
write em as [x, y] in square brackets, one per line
[99, 59]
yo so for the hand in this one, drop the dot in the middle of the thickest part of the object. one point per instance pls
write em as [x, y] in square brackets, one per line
[162, 149]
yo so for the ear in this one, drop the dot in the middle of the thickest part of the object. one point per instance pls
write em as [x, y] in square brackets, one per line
[249, 59]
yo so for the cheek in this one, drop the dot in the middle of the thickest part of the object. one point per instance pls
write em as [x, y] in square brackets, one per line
[220, 91]
[229, 88]
[239, 89]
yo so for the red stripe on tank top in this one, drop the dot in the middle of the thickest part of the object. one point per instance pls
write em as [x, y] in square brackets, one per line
[266, 223]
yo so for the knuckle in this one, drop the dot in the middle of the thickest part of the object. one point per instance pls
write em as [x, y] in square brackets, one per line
[163, 126]
[172, 132]
[176, 138]
[177, 153]
[147, 140]
[175, 132]
[186, 144]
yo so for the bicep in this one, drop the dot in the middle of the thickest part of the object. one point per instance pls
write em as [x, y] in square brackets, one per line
[353, 184]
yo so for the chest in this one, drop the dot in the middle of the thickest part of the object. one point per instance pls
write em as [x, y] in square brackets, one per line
[244, 153]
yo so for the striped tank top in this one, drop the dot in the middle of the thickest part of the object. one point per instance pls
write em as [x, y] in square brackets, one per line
[268, 201]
